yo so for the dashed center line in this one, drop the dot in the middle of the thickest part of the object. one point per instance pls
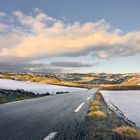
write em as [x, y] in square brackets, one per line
[50, 136]
[88, 98]
[79, 107]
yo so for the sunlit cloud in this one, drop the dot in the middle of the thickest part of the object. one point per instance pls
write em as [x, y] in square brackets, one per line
[38, 35]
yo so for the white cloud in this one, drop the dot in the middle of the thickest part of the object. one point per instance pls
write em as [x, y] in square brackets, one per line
[38, 35]
[3, 27]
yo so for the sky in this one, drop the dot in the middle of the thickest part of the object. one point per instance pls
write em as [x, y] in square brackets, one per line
[70, 36]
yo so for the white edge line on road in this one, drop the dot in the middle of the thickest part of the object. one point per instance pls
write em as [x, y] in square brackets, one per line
[50, 136]
[79, 107]
[14, 102]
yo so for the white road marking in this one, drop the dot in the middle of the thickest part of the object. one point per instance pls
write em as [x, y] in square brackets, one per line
[88, 98]
[79, 107]
[50, 136]
[14, 102]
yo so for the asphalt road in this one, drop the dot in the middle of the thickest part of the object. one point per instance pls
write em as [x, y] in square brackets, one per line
[57, 117]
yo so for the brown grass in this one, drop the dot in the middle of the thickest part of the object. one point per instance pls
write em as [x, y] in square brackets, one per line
[128, 132]
[94, 108]
[94, 103]
[97, 114]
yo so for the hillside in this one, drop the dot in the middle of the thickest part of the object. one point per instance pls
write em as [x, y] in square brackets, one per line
[102, 80]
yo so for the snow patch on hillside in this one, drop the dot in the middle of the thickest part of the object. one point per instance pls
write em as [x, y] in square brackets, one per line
[127, 101]
[35, 87]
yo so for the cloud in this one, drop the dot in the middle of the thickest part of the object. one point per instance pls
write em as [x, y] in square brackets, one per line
[38, 35]
[71, 64]
[26, 67]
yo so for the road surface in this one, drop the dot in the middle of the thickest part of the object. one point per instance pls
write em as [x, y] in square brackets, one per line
[57, 117]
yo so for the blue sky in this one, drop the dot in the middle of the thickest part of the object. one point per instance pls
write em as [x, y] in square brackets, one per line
[123, 14]
[116, 20]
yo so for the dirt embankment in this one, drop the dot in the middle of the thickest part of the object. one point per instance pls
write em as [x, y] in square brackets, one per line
[102, 123]
[121, 87]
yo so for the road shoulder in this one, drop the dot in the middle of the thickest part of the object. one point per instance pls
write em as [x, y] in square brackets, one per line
[101, 123]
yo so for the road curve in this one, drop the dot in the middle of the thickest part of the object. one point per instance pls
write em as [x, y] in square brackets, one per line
[57, 117]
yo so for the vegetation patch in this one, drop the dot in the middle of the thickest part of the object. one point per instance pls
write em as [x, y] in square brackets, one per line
[121, 87]
[94, 103]
[97, 114]
[128, 132]
[16, 95]
[94, 110]
[2, 100]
